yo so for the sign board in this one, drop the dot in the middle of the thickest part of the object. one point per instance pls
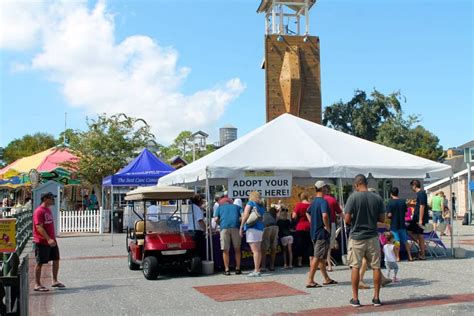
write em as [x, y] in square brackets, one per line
[7, 235]
[268, 183]
[471, 186]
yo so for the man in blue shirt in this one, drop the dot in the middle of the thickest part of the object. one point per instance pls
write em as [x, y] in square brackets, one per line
[318, 217]
[227, 215]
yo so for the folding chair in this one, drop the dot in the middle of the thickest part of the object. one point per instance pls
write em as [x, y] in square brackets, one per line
[428, 234]
[437, 242]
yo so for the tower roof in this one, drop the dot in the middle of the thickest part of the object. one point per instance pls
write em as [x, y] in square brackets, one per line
[266, 5]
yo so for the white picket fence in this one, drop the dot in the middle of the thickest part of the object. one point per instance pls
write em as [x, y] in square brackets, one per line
[79, 221]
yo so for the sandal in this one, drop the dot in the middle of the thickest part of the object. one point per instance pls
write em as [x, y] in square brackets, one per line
[330, 282]
[41, 289]
[58, 285]
[227, 272]
[313, 285]
[238, 271]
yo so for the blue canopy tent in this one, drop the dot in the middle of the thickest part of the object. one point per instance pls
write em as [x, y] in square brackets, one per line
[144, 170]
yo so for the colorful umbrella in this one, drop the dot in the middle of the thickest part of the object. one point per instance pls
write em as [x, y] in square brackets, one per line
[47, 160]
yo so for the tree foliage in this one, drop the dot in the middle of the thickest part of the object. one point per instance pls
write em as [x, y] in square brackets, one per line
[27, 146]
[108, 145]
[362, 115]
[380, 119]
[408, 136]
[183, 146]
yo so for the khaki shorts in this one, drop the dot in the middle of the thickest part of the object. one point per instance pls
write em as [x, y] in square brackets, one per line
[368, 249]
[321, 248]
[270, 238]
[229, 235]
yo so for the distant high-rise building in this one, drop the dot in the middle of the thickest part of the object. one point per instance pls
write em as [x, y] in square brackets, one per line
[227, 134]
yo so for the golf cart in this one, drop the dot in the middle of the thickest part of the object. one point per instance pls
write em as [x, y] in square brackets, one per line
[161, 240]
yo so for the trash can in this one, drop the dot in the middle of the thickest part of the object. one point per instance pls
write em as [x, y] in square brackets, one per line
[465, 220]
[117, 224]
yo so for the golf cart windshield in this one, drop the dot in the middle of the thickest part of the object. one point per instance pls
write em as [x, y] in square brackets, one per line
[167, 216]
[165, 208]
[162, 216]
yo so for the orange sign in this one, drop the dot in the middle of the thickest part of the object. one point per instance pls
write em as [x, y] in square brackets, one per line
[7, 235]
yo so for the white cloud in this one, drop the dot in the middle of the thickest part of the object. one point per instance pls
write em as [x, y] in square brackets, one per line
[136, 76]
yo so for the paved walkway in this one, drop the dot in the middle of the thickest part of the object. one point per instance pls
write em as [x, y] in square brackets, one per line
[99, 282]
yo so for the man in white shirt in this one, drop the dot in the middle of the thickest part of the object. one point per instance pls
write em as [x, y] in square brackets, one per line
[153, 212]
[196, 224]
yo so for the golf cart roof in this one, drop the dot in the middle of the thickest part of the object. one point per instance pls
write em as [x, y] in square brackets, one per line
[162, 192]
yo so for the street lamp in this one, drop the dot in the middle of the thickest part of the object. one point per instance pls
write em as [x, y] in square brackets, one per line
[199, 142]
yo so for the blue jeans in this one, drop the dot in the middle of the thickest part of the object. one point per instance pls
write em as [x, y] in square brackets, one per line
[437, 217]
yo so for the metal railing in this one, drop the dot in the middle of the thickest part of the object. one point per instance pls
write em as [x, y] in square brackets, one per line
[14, 287]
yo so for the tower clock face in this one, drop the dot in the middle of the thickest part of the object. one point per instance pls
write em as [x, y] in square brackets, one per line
[34, 178]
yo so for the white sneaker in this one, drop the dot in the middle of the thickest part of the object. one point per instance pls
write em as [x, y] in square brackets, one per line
[254, 274]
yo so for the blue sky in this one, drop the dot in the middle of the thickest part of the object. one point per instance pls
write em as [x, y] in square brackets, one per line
[211, 53]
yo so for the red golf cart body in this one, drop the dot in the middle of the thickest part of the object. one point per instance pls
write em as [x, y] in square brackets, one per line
[162, 242]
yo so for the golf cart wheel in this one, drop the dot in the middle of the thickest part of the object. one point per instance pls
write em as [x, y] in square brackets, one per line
[195, 266]
[132, 265]
[150, 268]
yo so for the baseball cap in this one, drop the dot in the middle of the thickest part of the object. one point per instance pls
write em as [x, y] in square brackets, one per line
[319, 184]
[48, 195]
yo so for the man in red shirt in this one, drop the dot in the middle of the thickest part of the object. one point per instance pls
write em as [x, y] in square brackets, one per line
[44, 237]
[335, 212]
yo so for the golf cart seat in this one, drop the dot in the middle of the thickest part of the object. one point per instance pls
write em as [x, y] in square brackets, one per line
[140, 228]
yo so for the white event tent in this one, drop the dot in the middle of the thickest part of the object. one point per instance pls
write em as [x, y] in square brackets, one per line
[307, 150]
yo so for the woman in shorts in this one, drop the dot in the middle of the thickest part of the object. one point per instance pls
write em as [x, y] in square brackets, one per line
[254, 233]
[284, 232]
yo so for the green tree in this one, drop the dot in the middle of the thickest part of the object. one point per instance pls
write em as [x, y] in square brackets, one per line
[408, 136]
[107, 146]
[68, 136]
[183, 146]
[184, 143]
[28, 145]
[380, 118]
[362, 115]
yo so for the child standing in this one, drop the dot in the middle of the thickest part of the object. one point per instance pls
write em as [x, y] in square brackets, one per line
[286, 238]
[389, 253]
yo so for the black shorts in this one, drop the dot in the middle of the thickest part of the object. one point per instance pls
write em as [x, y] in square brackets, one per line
[44, 253]
[415, 228]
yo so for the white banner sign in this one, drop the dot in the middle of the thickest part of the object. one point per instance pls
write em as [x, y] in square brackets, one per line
[268, 183]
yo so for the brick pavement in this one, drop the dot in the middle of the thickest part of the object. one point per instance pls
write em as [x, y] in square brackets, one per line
[99, 282]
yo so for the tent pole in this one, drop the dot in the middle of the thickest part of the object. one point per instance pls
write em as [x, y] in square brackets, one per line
[343, 230]
[209, 246]
[112, 214]
[450, 203]
[102, 198]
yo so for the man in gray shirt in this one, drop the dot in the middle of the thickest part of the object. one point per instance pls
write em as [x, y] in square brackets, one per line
[362, 212]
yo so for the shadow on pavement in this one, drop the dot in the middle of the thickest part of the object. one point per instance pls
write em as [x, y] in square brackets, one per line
[75, 290]
[415, 282]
